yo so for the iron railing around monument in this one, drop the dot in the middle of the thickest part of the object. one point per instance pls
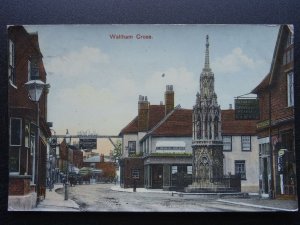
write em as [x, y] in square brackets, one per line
[227, 181]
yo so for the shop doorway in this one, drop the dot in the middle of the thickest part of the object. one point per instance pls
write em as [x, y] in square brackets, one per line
[265, 176]
[157, 176]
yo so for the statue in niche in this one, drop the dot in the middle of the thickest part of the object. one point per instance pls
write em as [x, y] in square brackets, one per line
[198, 129]
[216, 123]
[209, 128]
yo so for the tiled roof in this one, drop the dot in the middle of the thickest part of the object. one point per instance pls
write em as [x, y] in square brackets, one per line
[132, 127]
[262, 85]
[230, 126]
[177, 124]
[156, 114]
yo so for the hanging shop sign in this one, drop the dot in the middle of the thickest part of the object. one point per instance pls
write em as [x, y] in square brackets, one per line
[88, 143]
[246, 109]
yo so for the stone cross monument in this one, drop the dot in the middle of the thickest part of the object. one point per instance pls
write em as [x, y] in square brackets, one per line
[207, 141]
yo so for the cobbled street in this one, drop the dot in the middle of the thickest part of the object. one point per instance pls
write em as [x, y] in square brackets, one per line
[100, 197]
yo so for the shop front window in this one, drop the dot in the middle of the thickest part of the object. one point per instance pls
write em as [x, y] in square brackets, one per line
[240, 168]
[15, 132]
[14, 160]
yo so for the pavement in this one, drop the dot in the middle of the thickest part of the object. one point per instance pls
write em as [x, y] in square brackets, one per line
[54, 201]
[248, 199]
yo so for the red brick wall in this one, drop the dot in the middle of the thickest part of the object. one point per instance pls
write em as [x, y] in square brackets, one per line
[108, 168]
[129, 164]
[279, 104]
[20, 105]
[264, 105]
[19, 186]
[24, 49]
[279, 98]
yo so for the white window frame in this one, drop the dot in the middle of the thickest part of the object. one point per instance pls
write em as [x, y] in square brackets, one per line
[290, 88]
[131, 152]
[290, 39]
[27, 135]
[135, 173]
[244, 149]
[189, 169]
[31, 68]
[10, 130]
[11, 62]
[227, 143]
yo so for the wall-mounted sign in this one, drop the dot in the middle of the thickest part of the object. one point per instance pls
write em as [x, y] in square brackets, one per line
[263, 124]
[88, 143]
[246, 109]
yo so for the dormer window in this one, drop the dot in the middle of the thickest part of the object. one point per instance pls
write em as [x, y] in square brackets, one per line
[33, 69]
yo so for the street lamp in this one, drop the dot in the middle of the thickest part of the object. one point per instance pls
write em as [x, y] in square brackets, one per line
[68, 142]
[35, 89]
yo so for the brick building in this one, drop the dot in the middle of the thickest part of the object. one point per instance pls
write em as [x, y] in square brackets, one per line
[27, 163]
[157, 147]
[275, 129]
[77, 158]
[71, 155]
[107, 167]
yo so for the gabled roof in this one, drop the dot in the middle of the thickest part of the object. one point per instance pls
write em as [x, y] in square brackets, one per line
[178, 123]
[262, 85]
[132, 127]
[230, 126]
[156, 114]
[283, 30]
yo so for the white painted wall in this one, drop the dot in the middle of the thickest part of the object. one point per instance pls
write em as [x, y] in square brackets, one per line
[187, 140]
[251, 184]
[126, 138]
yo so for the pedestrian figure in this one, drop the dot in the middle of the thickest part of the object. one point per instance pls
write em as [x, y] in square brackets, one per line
[63, 180]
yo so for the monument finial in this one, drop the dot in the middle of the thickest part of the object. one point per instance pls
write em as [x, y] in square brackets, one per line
[206, 65]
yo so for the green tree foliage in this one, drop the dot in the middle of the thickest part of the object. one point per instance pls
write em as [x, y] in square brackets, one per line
[117, 152]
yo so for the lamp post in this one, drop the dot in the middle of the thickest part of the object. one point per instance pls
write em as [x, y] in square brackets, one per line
[68, 142]
[35, 89]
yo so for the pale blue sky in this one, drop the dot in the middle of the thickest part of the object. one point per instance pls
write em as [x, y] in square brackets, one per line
[95, 80]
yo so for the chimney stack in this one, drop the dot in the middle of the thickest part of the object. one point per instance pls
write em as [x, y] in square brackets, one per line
[169, 99]
[143, 113]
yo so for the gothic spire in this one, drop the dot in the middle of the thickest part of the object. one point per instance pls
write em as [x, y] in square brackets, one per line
[206, 64]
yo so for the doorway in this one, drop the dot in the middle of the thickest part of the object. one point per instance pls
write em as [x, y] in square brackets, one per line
[157, 176]
[265, 176]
